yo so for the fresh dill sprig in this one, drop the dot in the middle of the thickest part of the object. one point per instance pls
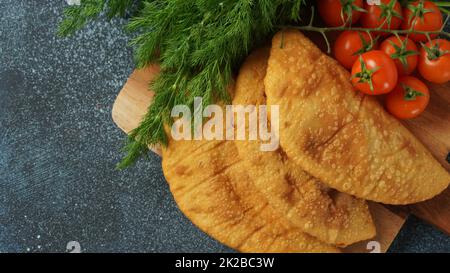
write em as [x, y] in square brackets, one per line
[199, 44]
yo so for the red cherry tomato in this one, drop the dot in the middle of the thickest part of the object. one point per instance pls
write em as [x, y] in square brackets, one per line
[403, 51]
[434, 65]
[349, 45]
[331, 11]
[422, 16]
[409, 98]
[387, 15]
[374, 73]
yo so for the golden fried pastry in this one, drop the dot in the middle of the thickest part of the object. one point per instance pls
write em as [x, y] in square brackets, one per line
[215, 192]
[343, 137]
[330, 216]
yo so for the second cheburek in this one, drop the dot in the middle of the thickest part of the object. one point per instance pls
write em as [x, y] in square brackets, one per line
[342, 137]
[331, 216]
[214, 190]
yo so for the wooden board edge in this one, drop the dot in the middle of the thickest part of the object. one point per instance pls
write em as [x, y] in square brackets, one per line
[390, 229]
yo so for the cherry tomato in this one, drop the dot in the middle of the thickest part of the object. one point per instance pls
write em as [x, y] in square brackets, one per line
[409, 98]
[349, 45]
[387, 15]
[434, 62]
[403, 51]
[332, 11]
[422, 16]
[374, 73]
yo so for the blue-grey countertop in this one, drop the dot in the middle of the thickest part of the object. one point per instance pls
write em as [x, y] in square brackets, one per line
[59, 147]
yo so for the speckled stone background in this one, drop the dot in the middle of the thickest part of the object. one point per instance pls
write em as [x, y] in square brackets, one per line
[59, 146]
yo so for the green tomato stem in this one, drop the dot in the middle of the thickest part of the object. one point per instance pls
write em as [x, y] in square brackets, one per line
[396, 32]
[442, 4]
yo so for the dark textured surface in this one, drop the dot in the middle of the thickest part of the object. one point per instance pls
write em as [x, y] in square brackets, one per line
[59, 146]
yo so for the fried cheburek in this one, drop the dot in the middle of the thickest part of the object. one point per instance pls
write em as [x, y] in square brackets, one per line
[214, 190]
[340, 136]
[330, 216]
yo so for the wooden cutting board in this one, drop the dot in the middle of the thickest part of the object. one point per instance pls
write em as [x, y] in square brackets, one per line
[432, 128]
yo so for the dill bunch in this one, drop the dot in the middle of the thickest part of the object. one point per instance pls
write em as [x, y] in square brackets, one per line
[199, 44]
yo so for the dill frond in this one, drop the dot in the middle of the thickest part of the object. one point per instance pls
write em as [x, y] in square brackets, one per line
[199, 45]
